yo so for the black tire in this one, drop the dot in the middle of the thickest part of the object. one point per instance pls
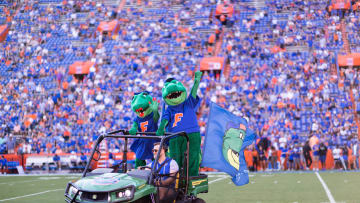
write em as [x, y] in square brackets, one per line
[198, 200]
[146, 199]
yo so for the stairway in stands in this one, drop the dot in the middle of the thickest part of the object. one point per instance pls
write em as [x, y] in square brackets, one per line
[347, 50]
[104, 156]
[345, 37]
[258, 4]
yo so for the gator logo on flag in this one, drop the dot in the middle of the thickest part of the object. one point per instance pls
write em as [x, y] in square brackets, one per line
[226, 138]
[232, 143]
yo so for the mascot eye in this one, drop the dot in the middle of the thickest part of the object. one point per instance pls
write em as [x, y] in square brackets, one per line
[241, 135]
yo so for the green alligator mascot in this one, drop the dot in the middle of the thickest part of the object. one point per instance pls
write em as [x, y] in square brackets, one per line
[232, 142]
[146, 109]
[180, 115]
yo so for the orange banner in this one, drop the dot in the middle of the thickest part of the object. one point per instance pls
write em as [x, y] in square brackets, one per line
[80, 67]
[111, 26]
[341, 4]
[224, 9]
[352, 59]
[212, 63]
[4, 30]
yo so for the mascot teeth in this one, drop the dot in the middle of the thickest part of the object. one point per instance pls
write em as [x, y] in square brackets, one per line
[174, 95]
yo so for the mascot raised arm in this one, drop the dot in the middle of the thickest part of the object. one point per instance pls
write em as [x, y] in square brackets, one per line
[180, 115]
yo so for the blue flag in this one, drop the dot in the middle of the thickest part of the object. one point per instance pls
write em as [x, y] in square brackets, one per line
[226, 138]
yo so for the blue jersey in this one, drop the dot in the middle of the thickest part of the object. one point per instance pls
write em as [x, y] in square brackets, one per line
[165, 169]
[283, 152]
[182, 117]
[296, 152]
[316, 150]
[3, 162]
[143, 147]
[292, 155]
[56, 158]
[83, 157]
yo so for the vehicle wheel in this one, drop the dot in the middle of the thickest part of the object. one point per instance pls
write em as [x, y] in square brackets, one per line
[198, 200]
[145, 199]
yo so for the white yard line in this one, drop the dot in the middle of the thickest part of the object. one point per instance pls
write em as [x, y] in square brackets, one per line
[29, 195]
[24, 181]
[328, 193]
[218, 176]
[213, 181]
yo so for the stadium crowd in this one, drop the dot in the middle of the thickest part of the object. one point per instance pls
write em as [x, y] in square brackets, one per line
[293, 99]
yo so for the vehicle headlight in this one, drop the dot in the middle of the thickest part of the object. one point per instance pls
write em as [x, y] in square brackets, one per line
[72, 190]
[127, 193]
[121, 194]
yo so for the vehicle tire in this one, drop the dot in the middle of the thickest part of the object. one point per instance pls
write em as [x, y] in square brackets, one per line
[145, 199]
[198, 200]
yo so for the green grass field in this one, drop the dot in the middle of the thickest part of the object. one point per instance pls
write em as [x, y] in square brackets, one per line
[263, 187]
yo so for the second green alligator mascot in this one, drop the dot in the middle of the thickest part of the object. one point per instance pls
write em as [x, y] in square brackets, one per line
[146, 109]
[180, 115]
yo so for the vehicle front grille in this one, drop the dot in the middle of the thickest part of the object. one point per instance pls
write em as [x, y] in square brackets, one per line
[92, 196]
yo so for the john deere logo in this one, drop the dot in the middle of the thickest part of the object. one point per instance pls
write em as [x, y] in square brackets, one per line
[104, 180]
[198, 182]
[94, 196]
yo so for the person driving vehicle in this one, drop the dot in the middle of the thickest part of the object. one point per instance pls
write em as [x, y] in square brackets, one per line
[167, 169]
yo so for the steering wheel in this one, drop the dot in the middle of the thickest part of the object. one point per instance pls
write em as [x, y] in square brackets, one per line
[145, 167]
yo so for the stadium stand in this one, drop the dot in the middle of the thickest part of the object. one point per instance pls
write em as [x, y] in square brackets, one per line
[279, 69]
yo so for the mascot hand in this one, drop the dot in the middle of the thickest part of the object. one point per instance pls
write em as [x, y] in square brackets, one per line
[132, 131]
[154, 105]
[198, 75]
[160, 132]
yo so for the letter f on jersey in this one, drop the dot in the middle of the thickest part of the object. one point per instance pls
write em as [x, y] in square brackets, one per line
[177, 119]
[143, 126]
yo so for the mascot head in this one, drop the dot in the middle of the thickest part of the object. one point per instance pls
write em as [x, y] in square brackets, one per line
[140, 104]
[173, 92]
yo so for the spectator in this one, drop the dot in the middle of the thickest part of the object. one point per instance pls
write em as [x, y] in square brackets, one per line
[284, 154]
[307, 155]
[264, 143]
[73, 160]
[291, 156]
[111, 160]
[57, 161]
[345, 156]
[337, 154]
[355, 153]
[273, 158]
[262, 158]
[316, 155]
[83, 159]
[4, 165]
[282, 141]
[297, 160]
[323, 154]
